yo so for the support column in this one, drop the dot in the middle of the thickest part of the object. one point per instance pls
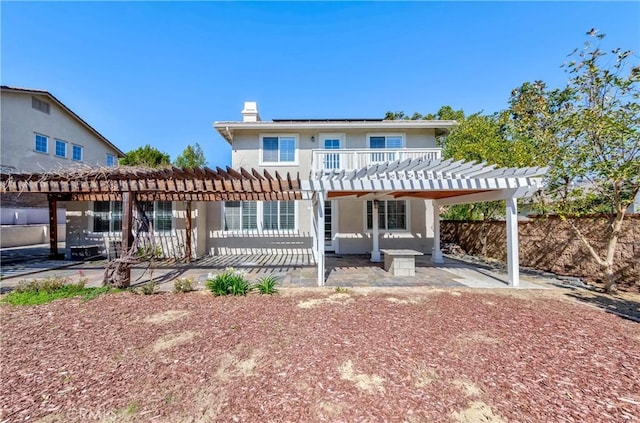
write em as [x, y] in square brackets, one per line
[187, 227]
[436, 253]
[127, 231]
[375, 252]
[513, 257]
[320, 237]
[53, 228]
[314, 227]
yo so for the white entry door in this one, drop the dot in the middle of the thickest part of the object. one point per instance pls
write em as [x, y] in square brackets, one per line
[332, 142]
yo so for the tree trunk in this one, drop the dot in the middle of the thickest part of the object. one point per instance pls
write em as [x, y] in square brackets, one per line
[610, 284]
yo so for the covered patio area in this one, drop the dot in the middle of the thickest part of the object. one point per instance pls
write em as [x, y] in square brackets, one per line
[292, 271]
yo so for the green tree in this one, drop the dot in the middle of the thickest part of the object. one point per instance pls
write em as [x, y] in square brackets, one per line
[192, 156]
[599, 143]
[146, 156]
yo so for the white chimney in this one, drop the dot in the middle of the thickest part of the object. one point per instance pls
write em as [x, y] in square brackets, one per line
[250, 112]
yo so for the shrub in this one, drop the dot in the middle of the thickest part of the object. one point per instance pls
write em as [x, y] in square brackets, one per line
[229, 282]
[46, 290]
[148, 288]
[267, 285]
[183, 285]
[341, 289]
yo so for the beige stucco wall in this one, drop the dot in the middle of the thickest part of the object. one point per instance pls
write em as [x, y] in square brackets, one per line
[350, 232]
[245, 151]
[20, 123]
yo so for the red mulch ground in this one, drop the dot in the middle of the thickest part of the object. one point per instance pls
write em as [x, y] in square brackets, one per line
[501, 356]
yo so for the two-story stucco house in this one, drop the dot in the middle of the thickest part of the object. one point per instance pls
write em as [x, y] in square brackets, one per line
[309, 146]
[39, 133]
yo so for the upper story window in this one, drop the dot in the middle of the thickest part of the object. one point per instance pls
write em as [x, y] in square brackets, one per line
[76, 152]
[392, 215]
[61, 148]
[40, 105]
[42, 143]
[386, 140]
[111, 160]
[278, 149]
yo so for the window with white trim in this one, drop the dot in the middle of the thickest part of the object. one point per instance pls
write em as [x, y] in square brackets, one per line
[107, 216]
[160, 214]
[61, 148]
[76, 152]
[278, 148]
[278, 215]
[385, 141]
[240, 215]
[392, 215]
[111, 160]
[275, 216]
[42, 143]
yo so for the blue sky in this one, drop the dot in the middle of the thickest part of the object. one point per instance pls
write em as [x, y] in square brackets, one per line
[160, 73]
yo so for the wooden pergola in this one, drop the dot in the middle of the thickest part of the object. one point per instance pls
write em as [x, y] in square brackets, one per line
[129, 184]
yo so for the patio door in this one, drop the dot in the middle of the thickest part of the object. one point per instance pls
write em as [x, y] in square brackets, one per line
[330, 225]
[332, 142]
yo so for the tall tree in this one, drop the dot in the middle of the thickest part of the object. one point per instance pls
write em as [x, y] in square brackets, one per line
[192, 156]
[599, 144]
[146, 156]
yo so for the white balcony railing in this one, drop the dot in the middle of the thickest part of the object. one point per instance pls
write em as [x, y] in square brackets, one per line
[351, 159]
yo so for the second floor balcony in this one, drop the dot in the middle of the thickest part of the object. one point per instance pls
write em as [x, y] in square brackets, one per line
[352, 159]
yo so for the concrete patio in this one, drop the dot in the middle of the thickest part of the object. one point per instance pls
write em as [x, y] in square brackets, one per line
[291, 271]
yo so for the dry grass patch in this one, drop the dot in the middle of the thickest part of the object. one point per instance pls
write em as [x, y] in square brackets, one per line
[470, 389]
[340, 298]
[232, 366]
[166, 316]
[329, 410]
[477, 412]
[477, 337]
[173, 339]
[363, 381]
[402, 301]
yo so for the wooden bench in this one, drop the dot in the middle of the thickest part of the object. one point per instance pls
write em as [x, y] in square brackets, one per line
[400, 262]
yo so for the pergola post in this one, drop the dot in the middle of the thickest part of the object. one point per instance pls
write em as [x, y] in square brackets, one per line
[53, 227]
[127, 231]
[375, 252]
[319, 237]
[436, 252]
[513, 258]
[314, 228]
[187, 227]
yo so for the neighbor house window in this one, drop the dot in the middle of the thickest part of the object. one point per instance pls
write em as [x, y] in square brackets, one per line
[392, 215]
[278, 215]
[61, 148]
[107, 216]
[42, 143]
[111, 160]
[76, 152]
[160, 214]
[40, 105]
[278, 148]
[240, 215]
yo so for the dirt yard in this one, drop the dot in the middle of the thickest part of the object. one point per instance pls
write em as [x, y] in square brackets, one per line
[410, 355]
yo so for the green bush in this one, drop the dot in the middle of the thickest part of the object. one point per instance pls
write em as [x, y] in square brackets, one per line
[148, 288]
[183, 285]
[267, 285]
[46, 290]
[229, 282]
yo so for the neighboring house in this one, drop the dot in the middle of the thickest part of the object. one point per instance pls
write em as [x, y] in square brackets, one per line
[39, 133]
[311, 145]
